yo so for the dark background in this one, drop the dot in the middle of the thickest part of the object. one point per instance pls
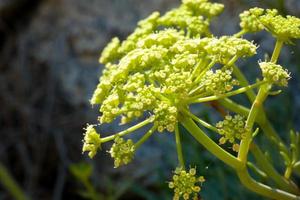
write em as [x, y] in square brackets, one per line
[49, 68]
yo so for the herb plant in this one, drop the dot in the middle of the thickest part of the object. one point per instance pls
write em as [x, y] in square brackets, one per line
[172, 61]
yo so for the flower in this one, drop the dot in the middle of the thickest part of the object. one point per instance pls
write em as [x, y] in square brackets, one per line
[218, 82]
[91, 141]
[250, 20]
[283, 28]
[185, 184]
[122, 151]
[232, 128]
[274, 73]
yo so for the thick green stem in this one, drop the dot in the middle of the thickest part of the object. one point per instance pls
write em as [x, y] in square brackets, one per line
[209, 144]
[262, 189]
[178, 147]
[271, 171]
[277, 50]
[9, 183]
[256, 106]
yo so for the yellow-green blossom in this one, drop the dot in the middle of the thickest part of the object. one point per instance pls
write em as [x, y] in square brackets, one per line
[232, 129]
[186, 184]
[122, 151]
[91, 141]
[274, 73]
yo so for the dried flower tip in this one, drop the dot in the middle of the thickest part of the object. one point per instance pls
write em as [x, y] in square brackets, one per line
[185, 184]
[122, 151]
[274, 73]
[91, 141]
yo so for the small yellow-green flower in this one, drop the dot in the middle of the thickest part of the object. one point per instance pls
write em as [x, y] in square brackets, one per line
[232, 128]
[122, 151]
[186, 184]
[274, 73]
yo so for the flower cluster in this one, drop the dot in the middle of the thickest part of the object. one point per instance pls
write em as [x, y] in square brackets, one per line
[250, 20]
[204, 7]
[232, 128]
[274, 73]
[226, 47]
[185, 183]
[91, 141]
[218, 82]
[171, 61]
[257, 19]
[160, 73]
[122, 151]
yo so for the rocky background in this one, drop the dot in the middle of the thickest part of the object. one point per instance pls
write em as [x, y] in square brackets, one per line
[49, 68]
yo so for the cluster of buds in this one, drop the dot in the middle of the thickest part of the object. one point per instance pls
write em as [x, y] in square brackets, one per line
[122, 151]
[219, 82]
[226, 47]
[204, 7]
[185, 184]
[250, 20]
[91, 141]
[257, 19]
[231, 129]
[274, 73]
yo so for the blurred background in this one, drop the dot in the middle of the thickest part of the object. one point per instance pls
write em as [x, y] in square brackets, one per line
[49, 68]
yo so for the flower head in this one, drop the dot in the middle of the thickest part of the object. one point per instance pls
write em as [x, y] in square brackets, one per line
[250, 20]
[218, 82]
[91, 141]
[185, 184]
[226, 47]
[274, 73]
[232, 128]
[204, 7]
[122, 151]
[257, 19]
[284, 28]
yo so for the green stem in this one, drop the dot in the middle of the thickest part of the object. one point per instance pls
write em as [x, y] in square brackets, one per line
[271, 171]
[10, 184]
[277, 50]
[145, 137]
[228, 94]
[233, 106]
[210, 65]
[288, 172]
[262, 189]
[240, 34]
[256, 106]
[209, 144]
[127, 131]
[244, 82]
[257, 170]
[200, 121]
[179, 147]
[232, 161]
